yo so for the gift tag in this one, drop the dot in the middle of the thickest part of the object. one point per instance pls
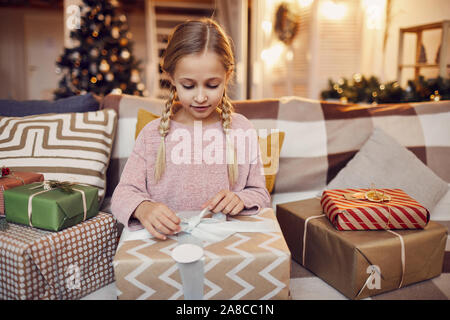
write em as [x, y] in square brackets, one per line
[187, 253]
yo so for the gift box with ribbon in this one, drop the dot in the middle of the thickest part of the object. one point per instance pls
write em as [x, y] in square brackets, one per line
[14, 179]
[240, 257]
[51, 205]
[69, 264]
[373, 209]
[360, 263]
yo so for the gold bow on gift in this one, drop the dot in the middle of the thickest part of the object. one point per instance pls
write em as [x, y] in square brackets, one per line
[65, 186]
[372, 195]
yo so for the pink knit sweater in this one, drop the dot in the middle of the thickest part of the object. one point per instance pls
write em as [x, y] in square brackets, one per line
[195, 169]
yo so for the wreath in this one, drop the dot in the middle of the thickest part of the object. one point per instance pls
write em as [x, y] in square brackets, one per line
[287, 23]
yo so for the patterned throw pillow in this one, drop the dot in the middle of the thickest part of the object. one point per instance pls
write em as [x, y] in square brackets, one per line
[62, 146]
[270, 147]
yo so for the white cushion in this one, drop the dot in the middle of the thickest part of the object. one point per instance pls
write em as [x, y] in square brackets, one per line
[384, 162]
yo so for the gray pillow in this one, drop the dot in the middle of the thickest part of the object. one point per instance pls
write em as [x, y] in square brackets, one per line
[387, 164]
[80, 103]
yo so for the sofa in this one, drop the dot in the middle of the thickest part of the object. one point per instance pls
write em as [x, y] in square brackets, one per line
[321, 138]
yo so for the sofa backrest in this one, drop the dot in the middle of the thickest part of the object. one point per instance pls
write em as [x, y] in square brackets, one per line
[320, 137]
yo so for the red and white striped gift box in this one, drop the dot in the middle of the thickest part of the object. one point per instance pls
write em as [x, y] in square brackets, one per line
[401, 212]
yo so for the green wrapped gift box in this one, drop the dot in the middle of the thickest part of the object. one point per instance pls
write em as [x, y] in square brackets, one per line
[52, 209]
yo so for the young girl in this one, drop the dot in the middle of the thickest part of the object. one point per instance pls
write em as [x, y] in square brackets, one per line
[166, 174]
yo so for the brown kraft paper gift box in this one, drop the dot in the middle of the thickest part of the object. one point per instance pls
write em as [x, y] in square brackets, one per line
[345, 259]
[243, 266]
[15, 179]
[69, 264]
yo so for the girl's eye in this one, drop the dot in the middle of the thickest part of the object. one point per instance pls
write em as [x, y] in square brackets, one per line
[188, 87]
[212, 86]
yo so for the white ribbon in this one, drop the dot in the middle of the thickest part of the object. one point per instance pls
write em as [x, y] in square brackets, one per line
[46, 189]
[402, 256]
[210, 230]
[304, 235]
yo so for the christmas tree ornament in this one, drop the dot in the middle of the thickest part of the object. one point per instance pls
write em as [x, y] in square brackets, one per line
[115, 33]
[104, 66]
[93, 80]
[125, 54]
[93, 68]
[123, 42]
[135, 76]
[109, 77]
[94, 53]
[113, 58]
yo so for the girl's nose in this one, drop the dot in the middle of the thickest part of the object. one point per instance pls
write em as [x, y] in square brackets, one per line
[200, 98]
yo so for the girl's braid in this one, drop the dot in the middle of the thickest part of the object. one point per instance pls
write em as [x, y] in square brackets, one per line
[227, 109]
[163, 129]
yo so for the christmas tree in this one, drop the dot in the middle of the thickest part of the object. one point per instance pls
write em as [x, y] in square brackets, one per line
[101, 60]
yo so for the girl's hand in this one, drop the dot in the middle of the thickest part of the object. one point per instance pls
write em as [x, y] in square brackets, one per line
[225, 201]
[158, 219]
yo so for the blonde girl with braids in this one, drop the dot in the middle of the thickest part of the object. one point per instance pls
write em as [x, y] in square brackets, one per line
[155, 183]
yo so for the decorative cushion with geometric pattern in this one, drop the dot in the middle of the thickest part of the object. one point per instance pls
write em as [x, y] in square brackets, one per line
[62, 146]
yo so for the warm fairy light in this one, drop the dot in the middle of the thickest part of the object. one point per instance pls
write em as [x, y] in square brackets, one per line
[333, 10]
[305, 3]
[271, 55]
[290, 55]
[374, 13]
[267, 26]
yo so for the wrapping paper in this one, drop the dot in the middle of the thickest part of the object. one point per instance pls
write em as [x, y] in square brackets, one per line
[69, 264]
[14, 180]
[246, 265]
[53, 210]
[401, 212]
[346, 260]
